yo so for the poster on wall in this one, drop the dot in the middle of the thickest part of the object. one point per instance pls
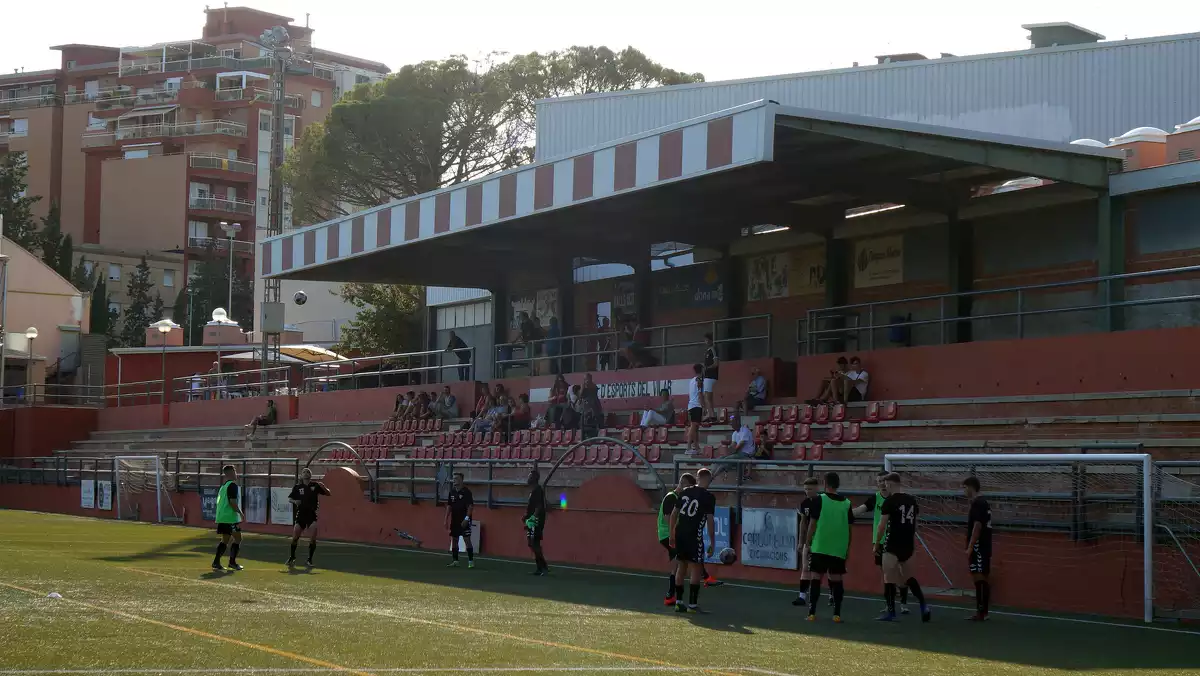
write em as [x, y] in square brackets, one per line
[281, 509]
[87, 494]
[691, 287]
[624, 299]
[104, 495]
[721, 530]
[768, 277]
[208, 503]
[546, 306]
[879, 262]
[527, 303]
[256, 504]
[807, 272]
[769, 538]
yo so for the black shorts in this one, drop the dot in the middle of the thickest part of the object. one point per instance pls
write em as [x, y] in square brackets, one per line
[901, 552]
[306, 521]
[824, 564]
[854, 395]
[457, 529]
[689, 548]
[666, 543]
[262, 421]
[533, 535]
[979, 561]
[228, 528]
[878, 559]
[695, 414]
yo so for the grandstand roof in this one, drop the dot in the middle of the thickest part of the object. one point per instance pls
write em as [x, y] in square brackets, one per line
[698, 182]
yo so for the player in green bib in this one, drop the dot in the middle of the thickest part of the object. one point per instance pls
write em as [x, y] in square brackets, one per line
[229, 518]
[874, 505]
[829, 545]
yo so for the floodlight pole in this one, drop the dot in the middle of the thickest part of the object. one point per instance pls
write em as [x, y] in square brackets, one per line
[276, 40]
[3, 308]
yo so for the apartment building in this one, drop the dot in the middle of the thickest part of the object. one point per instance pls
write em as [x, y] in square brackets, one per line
[150, 150]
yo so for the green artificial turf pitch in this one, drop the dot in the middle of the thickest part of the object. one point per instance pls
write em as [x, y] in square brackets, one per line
[140, 599]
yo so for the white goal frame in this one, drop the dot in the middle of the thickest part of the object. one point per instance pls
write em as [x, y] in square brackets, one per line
[158, 482]
[1140, 459]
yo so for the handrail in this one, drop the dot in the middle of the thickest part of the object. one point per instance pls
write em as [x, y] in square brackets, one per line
[221, 204]
[212, 161]
[228, 384]
[815, 334]
[662, 345]
[316, 377]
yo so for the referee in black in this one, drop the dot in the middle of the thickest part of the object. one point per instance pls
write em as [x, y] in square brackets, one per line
[305, 498]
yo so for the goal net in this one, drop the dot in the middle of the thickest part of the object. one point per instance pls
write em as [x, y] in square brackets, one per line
[143, 489]
[1177, 540]
[1071, 532]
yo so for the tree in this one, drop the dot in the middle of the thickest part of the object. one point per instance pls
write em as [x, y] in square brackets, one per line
[103, 319]
[83, 278]
[439, 123]
[387, 322]
[57, 249]
[207, 290]
[16, 207]
[139, 314]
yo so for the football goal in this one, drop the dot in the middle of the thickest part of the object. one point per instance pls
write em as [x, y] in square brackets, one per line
[143, 489]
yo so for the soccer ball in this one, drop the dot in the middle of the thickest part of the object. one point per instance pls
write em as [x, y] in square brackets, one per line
[301, 298]
[728, 556]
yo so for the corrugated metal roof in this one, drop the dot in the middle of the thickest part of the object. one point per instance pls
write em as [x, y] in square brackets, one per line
[1059, 94]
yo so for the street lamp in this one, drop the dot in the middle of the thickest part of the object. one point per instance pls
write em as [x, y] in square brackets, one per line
[231, 229]
[31, 334]
[164, 327]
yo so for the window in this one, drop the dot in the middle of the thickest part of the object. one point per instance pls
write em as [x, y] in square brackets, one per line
[232, 53]
[114, 272]
[168, 278]
[71, 63]
[231, 153]
[361, 79]
[88, 268]
[114, 309]
[91, 89]
[197, 230]
[264, 197]
[96, 123]
[20, 127]
[316, 98]
[289, 125]
[264, 121]
[137, 154]
[264, 159]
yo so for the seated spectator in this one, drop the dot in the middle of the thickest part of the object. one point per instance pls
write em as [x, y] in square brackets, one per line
[421, 410]
[492, 419]
[400, 408]
[445, 407]
[268, 418]
[857, 380]
[521, 414]
[664, 414]
[742, 442]
[558, 402]
[756, 391]
[410, 407]
[833, 386]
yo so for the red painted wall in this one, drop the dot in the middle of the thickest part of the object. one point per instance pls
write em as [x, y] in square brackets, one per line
[225, 412]
[126, 417]
[1051, 573]
[41, 430]
[1156, 359]
[370, 404]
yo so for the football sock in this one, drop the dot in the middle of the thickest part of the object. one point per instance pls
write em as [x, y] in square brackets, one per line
[804, 585]
[983, 596]
[293, 549]
[233, 552]
[904, 594]
[916, 590]
[312, 549]
[470, 552]
[679, 593]
[838, 591]
[454, 550]
[670, 585]
[889, 594]
[813, 596]
[694, 593]
[221, 552]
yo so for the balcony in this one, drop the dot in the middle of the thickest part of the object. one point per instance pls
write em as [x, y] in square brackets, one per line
[256, 94]
[35, 101]
[157, 65]
[204, 161]
[224, 206]
[127, 98]
[220, 244]
[100, 139]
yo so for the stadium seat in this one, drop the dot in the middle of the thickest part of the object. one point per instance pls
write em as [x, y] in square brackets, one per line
[615, 452]
[440, 440]
[602, 454]
[660, 435]
[556, 437]
[590, 458]
[411, 440]
[836, 433]
[838, 413]
[707, 452]
[772, 433]
[626, 433]
[822, 416]
[681, 419]
[891, 410]
[853, 432]
[655, 453]
[722, 416]
[872, 412]
[787, 433]
[806, 414]
[817, 452]
[627, 456]
[759, 430]
[547, 453]
[799, 452]
[803, 432]
[635, 436]
[791, 415]
[776, 414]
[634, 420]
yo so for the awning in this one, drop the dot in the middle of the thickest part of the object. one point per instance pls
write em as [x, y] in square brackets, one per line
[244, 73]
[148, 111]
[290, 354]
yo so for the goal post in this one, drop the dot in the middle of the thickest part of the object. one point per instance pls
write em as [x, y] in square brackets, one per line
[138, 477]
[1065, 523]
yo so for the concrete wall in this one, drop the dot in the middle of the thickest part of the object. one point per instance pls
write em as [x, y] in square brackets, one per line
[75, 121]
[41, 148]
[144, 203]
[39, 297]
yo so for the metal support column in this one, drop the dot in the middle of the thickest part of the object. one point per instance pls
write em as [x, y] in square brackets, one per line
[1110, 249]
[276, 39]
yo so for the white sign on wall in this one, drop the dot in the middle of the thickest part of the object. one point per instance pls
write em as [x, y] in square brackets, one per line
[769, 538]
[104, 495]
[256, 504]
[281, 509]
[87, 494]
[878, 262]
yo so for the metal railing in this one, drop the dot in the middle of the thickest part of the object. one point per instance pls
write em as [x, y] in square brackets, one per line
[383, 370]
[233, 384]
[256, 94]
[149, 66]
[101, 139]
[821, 326]
[33, 101]
[223, 205]
[220, 244]
[208, 161]
[96, 139]
[669, 344]
[130, 98]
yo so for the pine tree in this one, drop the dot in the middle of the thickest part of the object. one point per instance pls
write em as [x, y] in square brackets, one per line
[103, 319]
[80, 276]
[139, 314]
[15, 206]
[66, 252]
[208, 289]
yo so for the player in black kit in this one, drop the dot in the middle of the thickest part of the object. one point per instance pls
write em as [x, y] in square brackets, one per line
[304, 498]
[460, 506]
[896, 544]
[979, 546]
[535, 521]
[692, 513]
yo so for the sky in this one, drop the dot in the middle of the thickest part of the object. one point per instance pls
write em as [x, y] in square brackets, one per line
[767, 37]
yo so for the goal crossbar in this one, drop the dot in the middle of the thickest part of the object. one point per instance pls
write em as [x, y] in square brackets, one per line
[1142, 460]
[158, 480]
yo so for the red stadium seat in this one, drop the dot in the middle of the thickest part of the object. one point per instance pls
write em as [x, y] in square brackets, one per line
[872, 412]
[602, 454]
[661, 434]
[891, 410]
[722, 416]
[776, 414]
[655, 454]
[822, 414]
[634, 420]
[707, 452]
[627, 456]
[799, 452]
[759, 430]
[803, 432]
[853, 432]
[787, 433]
[792, 414]
[838, 413]
[836, 433]
[817, 452]
[681, 419]
[547, 453]
[772, 433]
[806, 414]
[626, 434]
[590, 458]
[636, 436]
[556, 438]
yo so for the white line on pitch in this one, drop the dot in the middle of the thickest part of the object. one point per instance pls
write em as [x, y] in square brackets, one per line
[409, 670]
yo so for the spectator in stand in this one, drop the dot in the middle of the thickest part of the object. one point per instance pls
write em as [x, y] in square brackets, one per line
[559, 396]
[570, 415]
[460, 350]
[266, 419]
[695, 409]
[589, 388]
[856, 381]
[633, 347]
[399, 409]
[833, 386]
[554, 346]
[711, 363]
[481, 400]
[664, 414]
[604, 343]
[410, 409]
[756, 391]
[495, 418]
[743, 442]
[445, 406]
[530, 333]
[591, 411]
[421, 410]
[521, 414]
